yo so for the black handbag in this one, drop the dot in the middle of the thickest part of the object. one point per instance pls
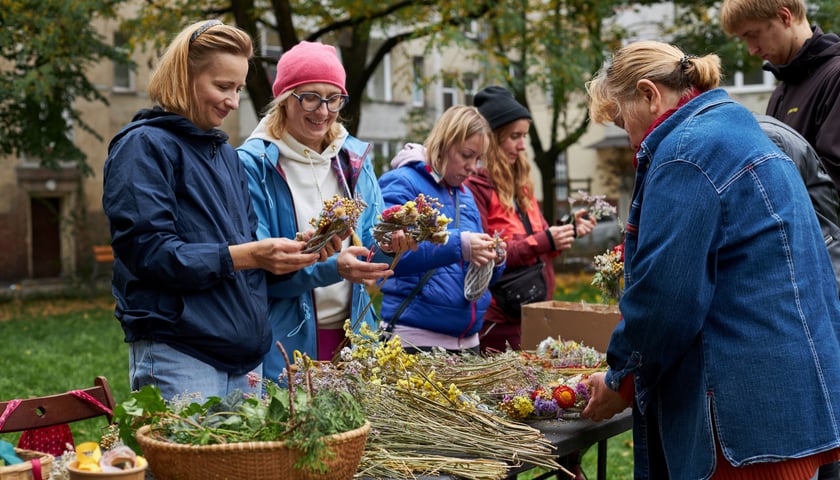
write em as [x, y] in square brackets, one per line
[518, 287]
[522, 285]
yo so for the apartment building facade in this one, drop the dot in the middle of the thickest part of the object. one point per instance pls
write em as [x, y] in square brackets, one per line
[49, 220]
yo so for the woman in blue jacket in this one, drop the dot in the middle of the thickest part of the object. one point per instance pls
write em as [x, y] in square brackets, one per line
[728, 347]
[189, 279]
[424, 303]
[298, 156]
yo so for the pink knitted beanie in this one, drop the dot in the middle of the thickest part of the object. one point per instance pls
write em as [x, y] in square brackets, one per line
[309, 62]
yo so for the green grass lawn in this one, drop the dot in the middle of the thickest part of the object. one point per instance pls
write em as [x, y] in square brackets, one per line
[51, 346]
[55, 345]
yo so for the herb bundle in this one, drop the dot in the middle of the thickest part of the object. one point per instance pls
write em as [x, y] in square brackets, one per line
[420, 218]
[339, 216]
[428, 412]
[300, 417]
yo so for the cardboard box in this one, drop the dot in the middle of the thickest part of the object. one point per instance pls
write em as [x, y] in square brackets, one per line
[589, 323]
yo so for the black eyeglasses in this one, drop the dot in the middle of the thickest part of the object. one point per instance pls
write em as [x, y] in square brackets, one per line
[311, 101]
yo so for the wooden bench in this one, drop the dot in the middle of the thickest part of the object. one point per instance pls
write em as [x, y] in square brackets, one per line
[101, 254]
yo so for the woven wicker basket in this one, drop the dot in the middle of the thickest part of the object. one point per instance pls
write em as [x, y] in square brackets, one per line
[23, 471]
[251, 460]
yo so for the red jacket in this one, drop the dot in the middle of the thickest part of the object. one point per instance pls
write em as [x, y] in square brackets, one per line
[522, 249]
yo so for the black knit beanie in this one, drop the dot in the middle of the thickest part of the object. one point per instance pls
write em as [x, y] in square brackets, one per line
[499, 107]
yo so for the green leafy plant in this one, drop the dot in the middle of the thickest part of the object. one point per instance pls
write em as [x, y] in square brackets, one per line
[300, 417]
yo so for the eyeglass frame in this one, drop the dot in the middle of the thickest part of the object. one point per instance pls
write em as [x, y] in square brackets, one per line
[322, 101]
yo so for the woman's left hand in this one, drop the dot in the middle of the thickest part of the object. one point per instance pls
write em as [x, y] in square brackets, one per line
[482, 248]
[584, 223]
[400, 242]
[604, 403]
[360, 271]
[332, 246]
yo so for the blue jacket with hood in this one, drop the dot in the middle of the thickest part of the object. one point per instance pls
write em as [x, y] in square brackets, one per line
[176, 198]
[292, 312]
[440, 305]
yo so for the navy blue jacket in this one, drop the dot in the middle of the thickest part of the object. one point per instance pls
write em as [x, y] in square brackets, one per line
[176, 198]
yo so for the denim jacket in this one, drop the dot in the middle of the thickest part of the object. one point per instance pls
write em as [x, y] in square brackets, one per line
[730, 312]
[291, 309]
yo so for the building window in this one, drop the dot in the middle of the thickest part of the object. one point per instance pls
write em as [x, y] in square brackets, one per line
[753, 80]
[418, 74]
[379, 86]
[561, 177]
[123, 72]
[383, 152]
[449, 91]
[270, 52]
[516, 73]
[470, 88]
[471, 29]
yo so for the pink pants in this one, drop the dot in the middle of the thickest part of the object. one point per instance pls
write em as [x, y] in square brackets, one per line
[328, 342]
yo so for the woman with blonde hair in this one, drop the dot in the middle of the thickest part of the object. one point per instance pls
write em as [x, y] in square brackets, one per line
[189, 273]
[729, 297]
[424, 303]
[504, 193]
[298, 157]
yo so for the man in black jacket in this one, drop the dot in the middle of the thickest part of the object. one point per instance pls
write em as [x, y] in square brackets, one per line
[826, 203]
[806, 62]
[821, 189]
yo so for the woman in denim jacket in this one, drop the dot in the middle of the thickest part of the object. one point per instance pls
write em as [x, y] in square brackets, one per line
[728, 347]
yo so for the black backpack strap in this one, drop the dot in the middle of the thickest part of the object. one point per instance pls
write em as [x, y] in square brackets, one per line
[408, 299]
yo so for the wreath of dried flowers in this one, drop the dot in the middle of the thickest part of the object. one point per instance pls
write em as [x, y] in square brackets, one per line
[609, 274]
[339, 216]
[420, 218]
[563, 399]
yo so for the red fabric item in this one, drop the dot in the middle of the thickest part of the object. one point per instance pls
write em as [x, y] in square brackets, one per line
[685, 99]
[10, 407]
[627, 389]
[328, 341]
[793, 469]
[52, 440]
[91, 400]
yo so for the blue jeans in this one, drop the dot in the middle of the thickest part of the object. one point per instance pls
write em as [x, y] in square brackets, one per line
[180, 375]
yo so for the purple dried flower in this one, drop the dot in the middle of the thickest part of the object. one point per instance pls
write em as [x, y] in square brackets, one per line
[582, 392]
[544, 408]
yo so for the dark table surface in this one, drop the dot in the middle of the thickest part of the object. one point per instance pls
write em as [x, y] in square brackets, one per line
[573, 435]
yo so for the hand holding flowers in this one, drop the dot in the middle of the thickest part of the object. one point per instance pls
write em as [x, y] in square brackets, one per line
[419, 218]
[596, 206]
[609, 266]
[338, 218]
[605, 402]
